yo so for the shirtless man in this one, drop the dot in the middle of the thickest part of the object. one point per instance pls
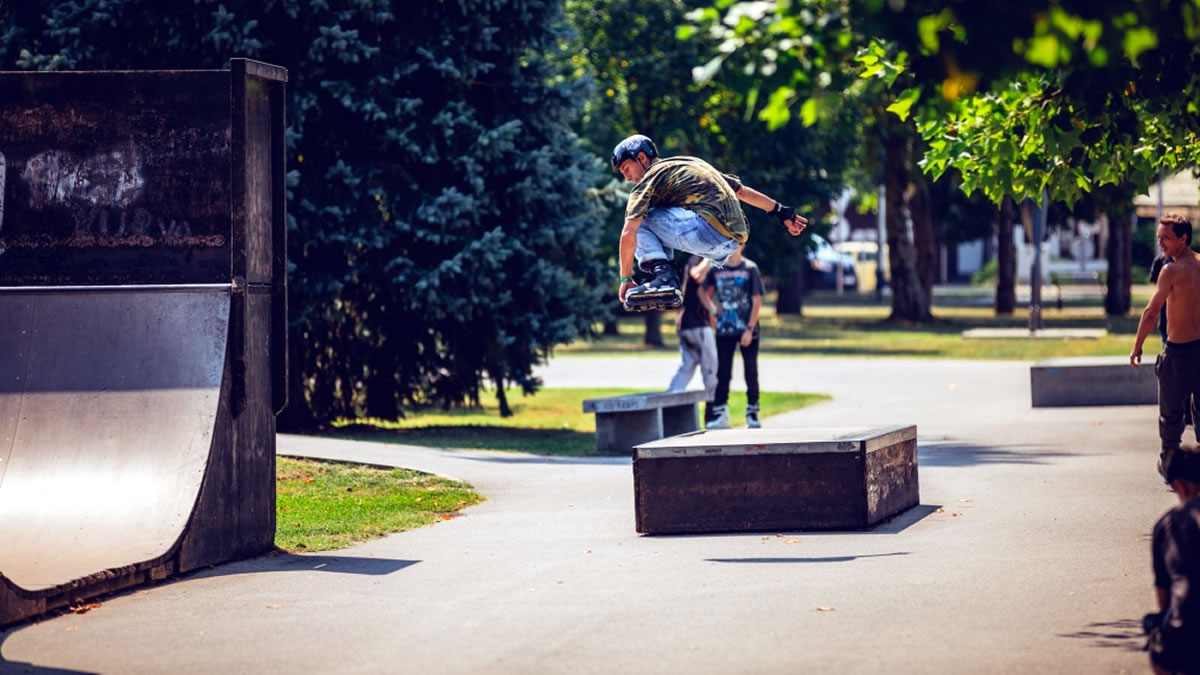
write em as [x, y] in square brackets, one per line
[1178, 367]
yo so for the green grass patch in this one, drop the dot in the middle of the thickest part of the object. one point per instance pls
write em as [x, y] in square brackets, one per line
[321, 506]
[551, 422]
[857, 326]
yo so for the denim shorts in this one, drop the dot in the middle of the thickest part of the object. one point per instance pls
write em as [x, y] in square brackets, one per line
[670, 228]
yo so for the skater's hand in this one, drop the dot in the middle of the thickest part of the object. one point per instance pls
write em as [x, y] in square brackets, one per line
[747, 337]
[625, 286]
[787, 215]
[1135, 356]
[796, 225]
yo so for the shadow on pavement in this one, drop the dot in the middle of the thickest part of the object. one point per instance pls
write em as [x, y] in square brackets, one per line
[548, 459]
[903, 520]
[1124, 634]
[282, 561]
[7, 666]
[969, 454]
[839, 558]
[898, 524]
[276, 561]
[548, 442]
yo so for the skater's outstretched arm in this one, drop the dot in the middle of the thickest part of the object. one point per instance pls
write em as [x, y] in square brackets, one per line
[625, 253]
[787, 215]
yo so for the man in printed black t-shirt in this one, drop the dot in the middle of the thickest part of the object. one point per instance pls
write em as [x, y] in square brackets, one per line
[736, 291]
[1174, 643]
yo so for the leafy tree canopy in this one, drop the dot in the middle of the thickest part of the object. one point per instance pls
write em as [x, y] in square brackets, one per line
[1047, 94]
[440, 233]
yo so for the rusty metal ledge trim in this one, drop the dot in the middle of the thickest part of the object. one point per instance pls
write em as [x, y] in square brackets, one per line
[114, 288]
[889, 436]
[815, 440]
[797, 448]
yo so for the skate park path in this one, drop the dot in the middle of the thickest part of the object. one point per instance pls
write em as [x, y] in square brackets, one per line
[1029, 552]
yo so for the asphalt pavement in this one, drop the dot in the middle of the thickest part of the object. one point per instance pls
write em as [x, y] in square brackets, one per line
[1029, 552]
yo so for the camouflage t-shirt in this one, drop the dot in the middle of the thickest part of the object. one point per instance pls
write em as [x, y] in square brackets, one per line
[695, 185]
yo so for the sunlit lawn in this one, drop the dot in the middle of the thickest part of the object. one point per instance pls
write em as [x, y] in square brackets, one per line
[858, 326]
[328, 505]
[552, 422]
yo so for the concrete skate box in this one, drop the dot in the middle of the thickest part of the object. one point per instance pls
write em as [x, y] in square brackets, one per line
[624, 421]
[735, 480]
[1091, 380]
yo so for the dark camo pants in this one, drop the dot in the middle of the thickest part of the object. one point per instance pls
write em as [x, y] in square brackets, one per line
[1178, 371]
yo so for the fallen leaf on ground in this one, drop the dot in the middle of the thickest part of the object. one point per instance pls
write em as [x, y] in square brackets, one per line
[791, 541]
[273, 606]
[84, 607]
[941, 510]
[826, 609]
[965, 499]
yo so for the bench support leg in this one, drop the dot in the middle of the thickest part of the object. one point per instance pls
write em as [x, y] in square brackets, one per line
[617, 433]
[680, 419]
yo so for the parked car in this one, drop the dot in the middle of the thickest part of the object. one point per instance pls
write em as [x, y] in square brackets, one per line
[866, 262]
[823, 266]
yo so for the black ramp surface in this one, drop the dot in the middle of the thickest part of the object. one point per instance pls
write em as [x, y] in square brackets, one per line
[108, 402]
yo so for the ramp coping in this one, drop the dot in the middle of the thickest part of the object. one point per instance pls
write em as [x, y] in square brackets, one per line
[730, 442]
[115, 288]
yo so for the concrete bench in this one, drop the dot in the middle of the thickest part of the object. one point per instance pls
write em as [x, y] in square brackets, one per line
[624, 421]
[736, 480]
[1092, 380]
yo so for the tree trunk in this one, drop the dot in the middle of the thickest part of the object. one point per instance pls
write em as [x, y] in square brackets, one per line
[1118, 297]
[1006, 260]
[791, 290]
[610, 328]
[908, 298]
[502, 399]
[297, 416]
[654, 336]
[924, 240]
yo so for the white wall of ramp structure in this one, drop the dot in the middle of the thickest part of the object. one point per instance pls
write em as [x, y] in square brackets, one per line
[107, 414]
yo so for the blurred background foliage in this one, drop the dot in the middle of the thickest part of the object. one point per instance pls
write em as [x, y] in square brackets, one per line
[452, 213]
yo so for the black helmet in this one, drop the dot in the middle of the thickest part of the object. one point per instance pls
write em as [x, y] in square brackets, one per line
[630, 147]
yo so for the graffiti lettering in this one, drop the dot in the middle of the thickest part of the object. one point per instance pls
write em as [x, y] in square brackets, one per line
[59, 178]
[101, 192]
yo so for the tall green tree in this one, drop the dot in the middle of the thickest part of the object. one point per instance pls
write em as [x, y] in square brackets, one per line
[1081, 100]
[816, 54]
[440, 232]
[654, 78]
[641, 83]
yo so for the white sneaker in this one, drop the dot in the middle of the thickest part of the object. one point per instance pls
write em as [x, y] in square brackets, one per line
[752, 417]
[721, 419]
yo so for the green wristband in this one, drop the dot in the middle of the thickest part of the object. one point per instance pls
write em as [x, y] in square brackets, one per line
[624, 279]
